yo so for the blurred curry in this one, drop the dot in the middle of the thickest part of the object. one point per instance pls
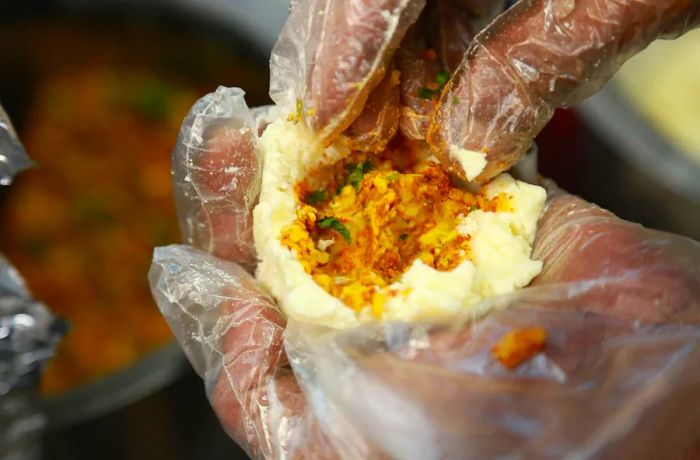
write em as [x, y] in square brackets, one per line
[99, 110]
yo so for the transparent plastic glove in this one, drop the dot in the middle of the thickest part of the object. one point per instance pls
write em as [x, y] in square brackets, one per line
[621, 368]
[539, 55]
[332, 54]
[377, 124]
[216, 175]
[435, 45]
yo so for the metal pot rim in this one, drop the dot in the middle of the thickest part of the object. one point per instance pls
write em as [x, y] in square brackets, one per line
[117, 390]
[611, 114]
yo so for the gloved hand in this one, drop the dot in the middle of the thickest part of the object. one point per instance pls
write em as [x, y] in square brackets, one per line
[618, 377]
[538, 55]
[336, 58]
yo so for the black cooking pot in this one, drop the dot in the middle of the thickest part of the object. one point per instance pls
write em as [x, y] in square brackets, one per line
[248, 25]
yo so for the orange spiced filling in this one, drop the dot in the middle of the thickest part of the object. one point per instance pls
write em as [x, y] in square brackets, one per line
[364, 220]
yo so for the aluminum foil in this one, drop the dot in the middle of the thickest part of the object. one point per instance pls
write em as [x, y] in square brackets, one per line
[13, 159]
[29, 334]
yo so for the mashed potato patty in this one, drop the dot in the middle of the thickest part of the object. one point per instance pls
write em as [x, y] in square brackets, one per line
[345, 237]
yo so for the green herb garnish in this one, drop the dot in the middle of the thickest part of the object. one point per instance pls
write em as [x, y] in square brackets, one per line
[403, 236]
[441, 78]
[392, 177]
[426, 93]
[473, 208]
[355, 176]
[358, 172]
[455, 100]
[335, 224]
[319, 196]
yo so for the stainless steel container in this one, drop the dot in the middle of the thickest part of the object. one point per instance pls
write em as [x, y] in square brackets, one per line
[658, 183]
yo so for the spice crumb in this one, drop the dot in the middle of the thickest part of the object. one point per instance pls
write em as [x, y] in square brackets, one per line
[519, 345]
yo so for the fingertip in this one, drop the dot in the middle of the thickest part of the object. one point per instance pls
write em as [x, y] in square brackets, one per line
[216, 174]
[229, 165]
[377, 124]
[353, 44]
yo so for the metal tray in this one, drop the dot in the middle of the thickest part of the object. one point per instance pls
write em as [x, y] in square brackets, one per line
[111, 393]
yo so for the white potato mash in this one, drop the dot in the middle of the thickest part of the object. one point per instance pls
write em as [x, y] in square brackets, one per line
[497, 260]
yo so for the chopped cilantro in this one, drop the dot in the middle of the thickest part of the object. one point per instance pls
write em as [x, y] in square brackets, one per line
[403, 236]
[318, 196]
[358, 172]
[441, 78]
[355, 177]
[392, 177]
[473, 208]
[335, 224]
[425, 93]
[455, 100]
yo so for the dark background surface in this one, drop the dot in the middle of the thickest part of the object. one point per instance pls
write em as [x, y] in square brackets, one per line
[175, 423]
